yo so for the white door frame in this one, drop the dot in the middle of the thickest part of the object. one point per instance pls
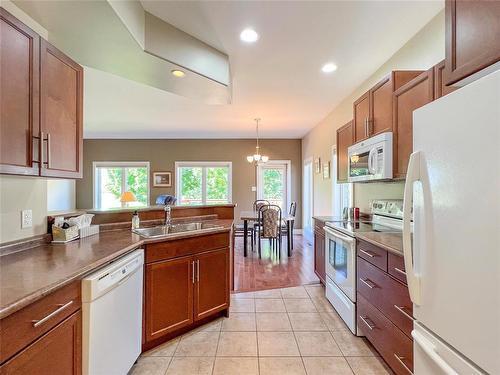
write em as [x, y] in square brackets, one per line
[288, 165]
[308, 232]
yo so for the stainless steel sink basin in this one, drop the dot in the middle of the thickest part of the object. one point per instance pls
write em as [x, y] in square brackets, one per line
[166, 230]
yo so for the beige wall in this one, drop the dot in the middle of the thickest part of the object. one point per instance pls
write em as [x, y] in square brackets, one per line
[424, 50]
[162, 154]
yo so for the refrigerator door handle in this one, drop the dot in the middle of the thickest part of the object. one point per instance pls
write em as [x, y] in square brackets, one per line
[412, 175]
[430, 350]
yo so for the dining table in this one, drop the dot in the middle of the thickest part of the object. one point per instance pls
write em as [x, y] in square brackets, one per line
[247, 216]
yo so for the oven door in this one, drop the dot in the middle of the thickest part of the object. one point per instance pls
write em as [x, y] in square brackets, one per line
[341, 261]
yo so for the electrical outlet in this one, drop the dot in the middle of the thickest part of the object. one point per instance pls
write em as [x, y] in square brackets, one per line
[254, 188]
[26, 219]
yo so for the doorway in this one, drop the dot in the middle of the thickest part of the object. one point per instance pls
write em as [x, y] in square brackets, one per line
[273, 183]
[307, 199]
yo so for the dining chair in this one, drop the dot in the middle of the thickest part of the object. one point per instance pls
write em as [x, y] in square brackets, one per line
[291, 212]
[270, 219]
[256, 207]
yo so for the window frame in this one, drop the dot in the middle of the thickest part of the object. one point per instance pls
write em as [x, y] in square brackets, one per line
[204, 165]
[288, 180]
[341, 191]
[120, 164]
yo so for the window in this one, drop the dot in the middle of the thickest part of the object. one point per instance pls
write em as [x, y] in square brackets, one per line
[203, 182]
[111, 179]
[342, 192]
[273, 183]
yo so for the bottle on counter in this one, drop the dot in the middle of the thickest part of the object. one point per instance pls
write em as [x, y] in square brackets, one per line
[135, 220]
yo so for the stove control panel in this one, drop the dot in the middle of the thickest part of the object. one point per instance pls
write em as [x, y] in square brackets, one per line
[388, 207]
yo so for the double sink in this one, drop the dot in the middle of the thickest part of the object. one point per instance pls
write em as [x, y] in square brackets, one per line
[168, 230]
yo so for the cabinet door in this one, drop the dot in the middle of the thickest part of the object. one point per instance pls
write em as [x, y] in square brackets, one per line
[168, 296]
[319, 256]
[345, 138]
[381, 111]
[472, 30]
[59, 351]
[408, 98]
[61, 108]
[440, 76]
[212, 283]
[361, 117]
[19, 97]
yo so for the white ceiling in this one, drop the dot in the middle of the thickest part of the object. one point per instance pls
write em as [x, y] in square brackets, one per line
[278, 78]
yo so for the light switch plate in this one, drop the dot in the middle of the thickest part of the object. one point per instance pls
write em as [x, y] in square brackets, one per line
[26, 219]
[254, 188]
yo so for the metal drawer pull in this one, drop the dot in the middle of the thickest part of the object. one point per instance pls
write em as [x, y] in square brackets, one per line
[367, 283]
[401, 310]
[192, 272]
[400, 271]
[364, 319]
[371, 255]
[400, 360]
[198, 270]
[37, 323]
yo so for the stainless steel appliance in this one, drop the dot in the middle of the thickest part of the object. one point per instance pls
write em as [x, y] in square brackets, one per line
[371, 159]
[340, 251]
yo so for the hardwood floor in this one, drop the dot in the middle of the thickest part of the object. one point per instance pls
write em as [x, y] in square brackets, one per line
[252, 273]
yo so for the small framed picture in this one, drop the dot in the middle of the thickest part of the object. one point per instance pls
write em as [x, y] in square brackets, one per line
[162, 179]
[317, 165]
[326, 170]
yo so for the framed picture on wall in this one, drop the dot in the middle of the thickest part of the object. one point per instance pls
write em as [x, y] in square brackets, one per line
[162, 179]
[317, 165]
[326, 170]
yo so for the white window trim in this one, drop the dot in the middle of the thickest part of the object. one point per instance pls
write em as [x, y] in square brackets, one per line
[310, 159]
[205, 164]
[288, 180]
[336, 190]
[121, 164]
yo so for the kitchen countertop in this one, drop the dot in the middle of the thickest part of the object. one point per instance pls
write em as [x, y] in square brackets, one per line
[328, 218]
[28, 275]
[390, 241]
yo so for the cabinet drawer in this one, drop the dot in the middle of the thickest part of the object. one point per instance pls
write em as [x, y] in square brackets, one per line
[396, 267]
[388, 295]
[26, 325]
[372, 254]
[186, 246]
[391, 343]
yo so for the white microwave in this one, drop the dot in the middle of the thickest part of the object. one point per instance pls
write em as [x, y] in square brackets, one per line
[370, 159]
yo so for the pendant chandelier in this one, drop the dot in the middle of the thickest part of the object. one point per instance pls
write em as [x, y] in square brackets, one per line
[257, 157]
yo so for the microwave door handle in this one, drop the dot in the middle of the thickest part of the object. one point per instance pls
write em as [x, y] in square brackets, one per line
[370, 161]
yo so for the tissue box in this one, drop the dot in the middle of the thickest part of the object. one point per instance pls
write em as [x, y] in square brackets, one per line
[63, 235]
[89, 231]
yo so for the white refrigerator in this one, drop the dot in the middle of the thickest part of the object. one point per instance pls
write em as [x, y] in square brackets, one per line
[452, 258]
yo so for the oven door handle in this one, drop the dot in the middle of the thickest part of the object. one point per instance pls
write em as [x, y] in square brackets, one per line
[338, 235]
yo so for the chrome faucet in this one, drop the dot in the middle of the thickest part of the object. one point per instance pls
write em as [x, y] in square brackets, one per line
[168, 219]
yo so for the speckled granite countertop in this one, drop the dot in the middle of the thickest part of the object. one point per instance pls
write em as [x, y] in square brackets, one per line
[390, 241]
[28, 275]
[328, 218]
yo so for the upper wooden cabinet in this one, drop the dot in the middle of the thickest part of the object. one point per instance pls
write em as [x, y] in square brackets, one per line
[472, 37]
[440, 75]
[345, 138]
[41, 96]
[19, 97]
[61, 109]
[373, 111]
[406, 99]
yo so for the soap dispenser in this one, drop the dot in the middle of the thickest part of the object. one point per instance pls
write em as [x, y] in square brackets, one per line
[135, 220]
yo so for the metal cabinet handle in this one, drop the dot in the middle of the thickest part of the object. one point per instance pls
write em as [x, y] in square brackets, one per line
[368, 284]
[400, 271]
[192, 272]
[400, 360]
[402, 311]
[371, 255]
[365, 320]
[48, 151]
[37, 323]
[33, 138]
[198, 270]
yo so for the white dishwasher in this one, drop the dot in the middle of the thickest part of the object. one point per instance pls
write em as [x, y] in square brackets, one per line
[112, 316]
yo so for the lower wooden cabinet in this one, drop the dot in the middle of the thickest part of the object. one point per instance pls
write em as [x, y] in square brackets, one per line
[169, 296]
[56, 352]
[211, 293]
[181, 290]
[319, 251]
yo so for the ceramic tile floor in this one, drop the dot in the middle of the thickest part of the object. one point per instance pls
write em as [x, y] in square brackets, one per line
[291, 331]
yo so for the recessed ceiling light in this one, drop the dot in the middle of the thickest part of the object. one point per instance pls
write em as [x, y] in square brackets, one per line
[329, 67]
[178, 73]
[249, 35]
